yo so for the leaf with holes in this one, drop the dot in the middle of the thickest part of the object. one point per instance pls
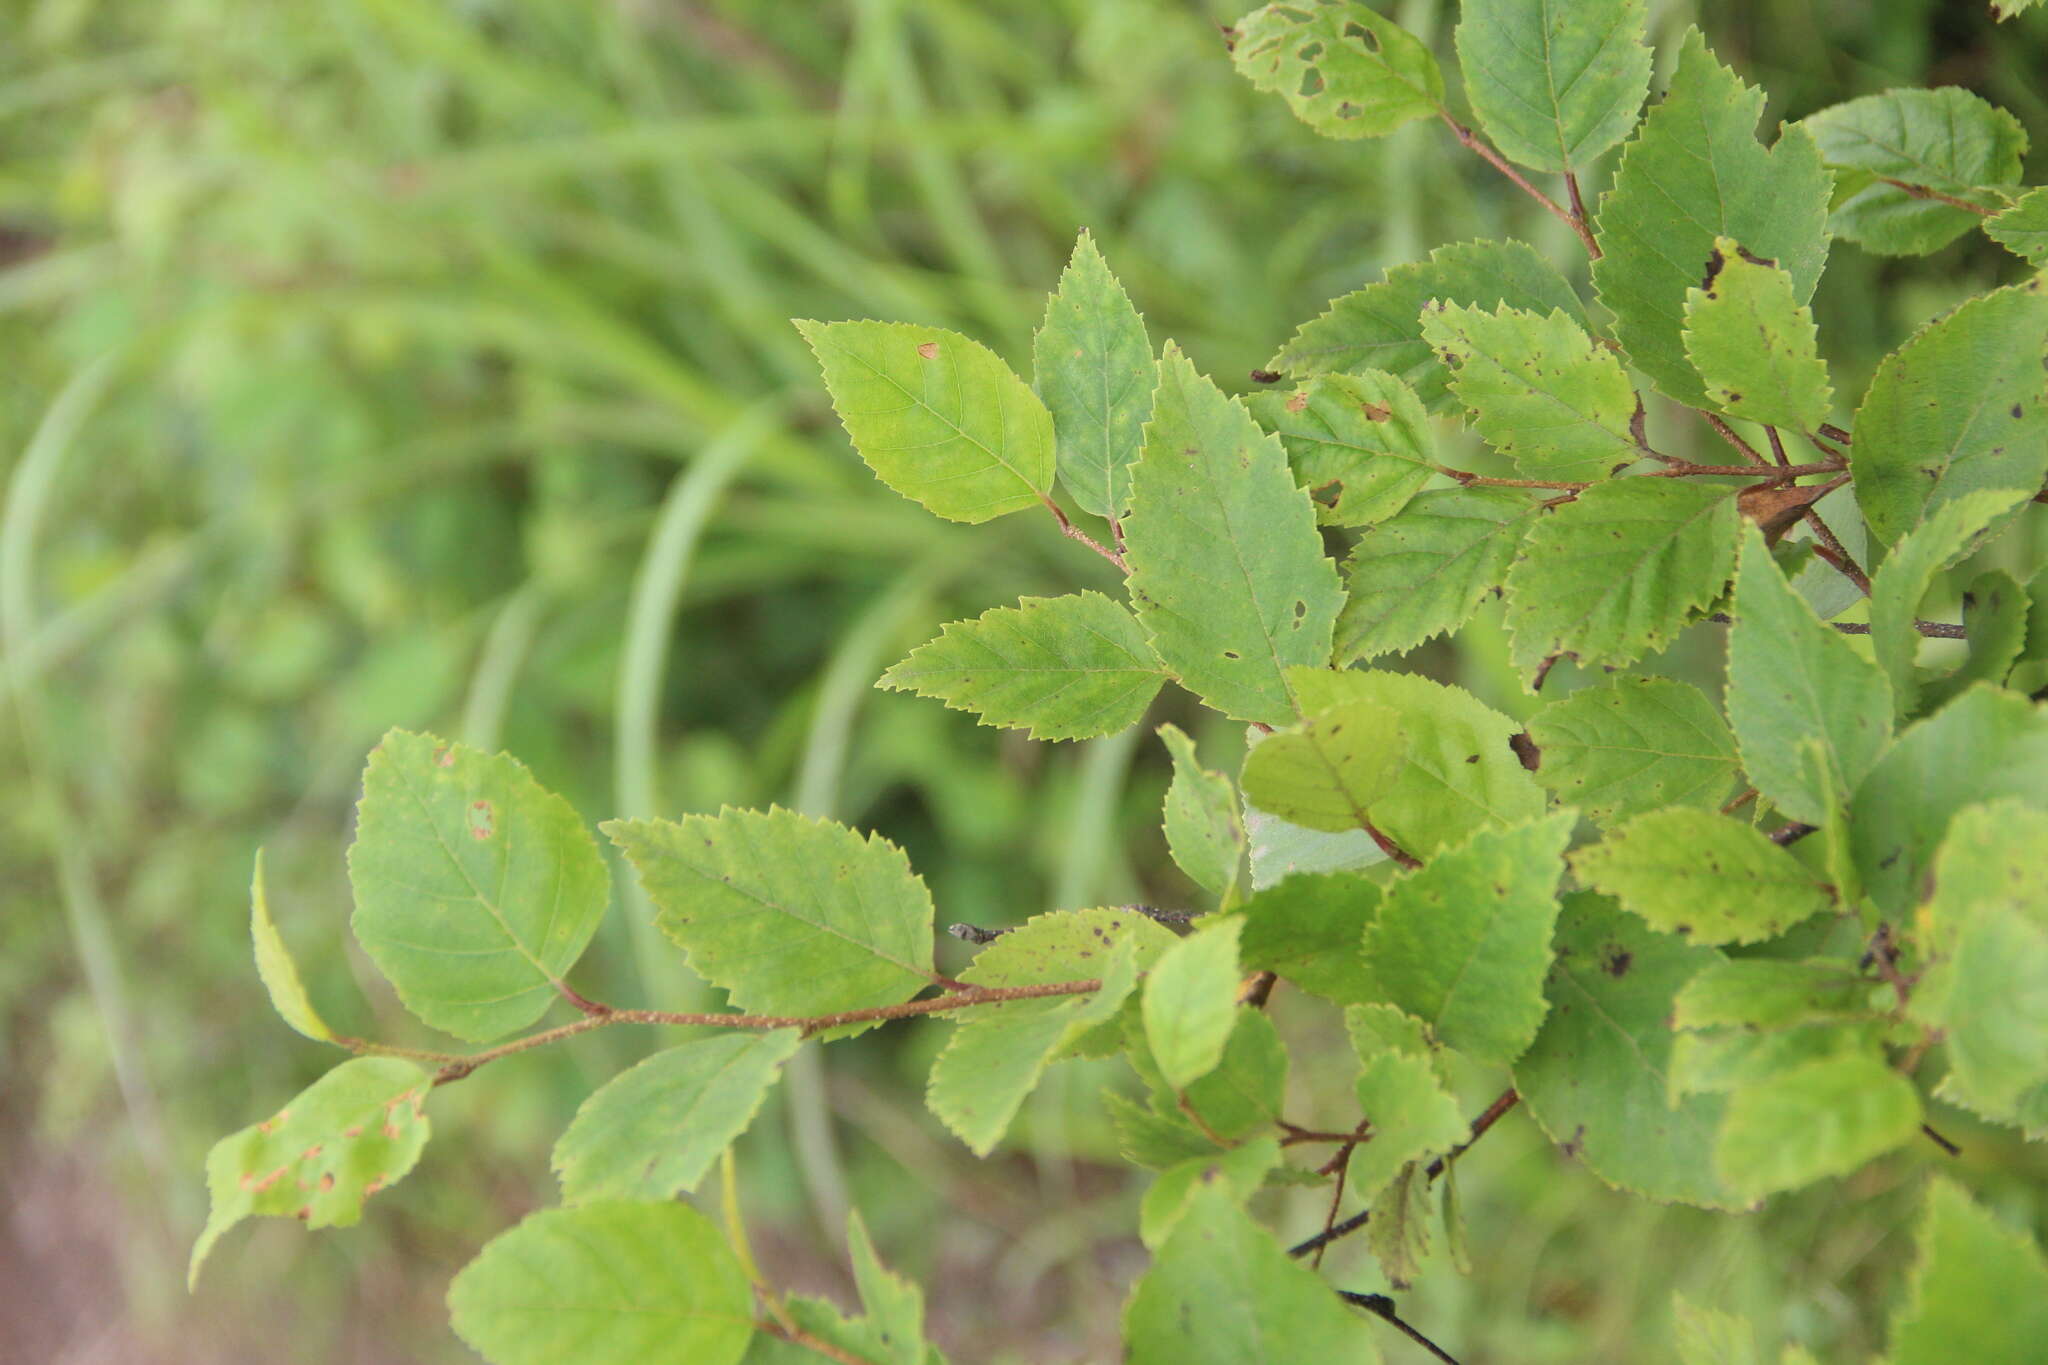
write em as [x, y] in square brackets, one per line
[1554, 84]
[937, 416]
[1695, 173]
[1541, 393]
[351, 1133]
[1754, 345]
[792, 916]
[1634, 744]
[1615, 574]
[1227, 568]
[1094, 369]
[1380, 326]
[1073, 667]
[1360, 443]
[1343, 69]
[476, 888]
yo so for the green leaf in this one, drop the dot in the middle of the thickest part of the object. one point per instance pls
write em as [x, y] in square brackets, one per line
[1596, 1077]
[651, 1132]
[1693, 174]
[1984, 745]
[1769, 993]
[1614, 574]
[1360, 442]
[1724, 1060]
[1541, 393]
[2023, 228]
[1222, 1292]
[1462, 774]
[1986, 984]
[1824, 1118]
[1961, 407]
[280, 975]
[1995, 612]
[1706, 876]
[792, 916]
[1977, 1293]
[1094, 369]
[1554, 84]
[1227, 568]
[1792, 678]
[1243, 1092]
[1908, 571]
[1073, 667]
[356, 1130]
[1379, 327]
[1753, 343]
[1944, 139]
[1203, 830]
[995, 1060]
[1412, 1116]
[1158, 1142]
[1634, 744]
[1190, 1002]
[1307, 929]
[1327, 772]
[1343, 69]
[938, 416]
[1376, 1028]
[1398, 1231]
[1464, 942]
[1422, 572]
[606, 1284]
[1242, 1170]
[476, 888]
[1707, 1336]
[891, 1329]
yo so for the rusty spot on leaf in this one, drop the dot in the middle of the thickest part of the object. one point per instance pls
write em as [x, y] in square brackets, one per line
[483, 819]
[1376, 412]
[930, 350]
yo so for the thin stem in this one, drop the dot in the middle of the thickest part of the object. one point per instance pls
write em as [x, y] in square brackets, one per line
[1831, 549]
[1924, 192]
[1680, 469]
[459, 1067]
[1571, 186]
[1467, 138]
[1777, 446]
[1383, 1307]
[1387, 846]
[1467, 479]
[1734, 438]
[1834, 433]
[1739, 800]
[797, 1336]
[1073, 532]
[1933, 630]
[1938, 1140]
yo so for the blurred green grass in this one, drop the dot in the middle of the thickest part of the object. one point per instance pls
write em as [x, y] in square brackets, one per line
[380, 362]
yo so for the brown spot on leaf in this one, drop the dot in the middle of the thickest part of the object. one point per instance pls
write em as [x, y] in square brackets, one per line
[1265, 376]
[1715, 261]
[1297, 400]
[444, 757]
[483, 819]
[1618, 962]
[930, 350]
[1376, 412]
[1526, 750]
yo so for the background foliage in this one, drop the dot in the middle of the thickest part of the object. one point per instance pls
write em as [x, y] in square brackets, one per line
[399, 363]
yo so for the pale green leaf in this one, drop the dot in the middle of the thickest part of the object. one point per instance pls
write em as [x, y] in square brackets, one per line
[792, 916]
[1771, 993]
[356, 1130]
[1461, 773]
[1723, 1060]
[1281, 849]
[1961, 407]
[1707, 1336]
[1541, 393]
[938, 416]
[890, 1330]
[1703, 875]
[1694, 173]
[1824, 1118]
[1327, 772]
[1596, 1078]
[1634, 744]
[1228, 573]
[1463, 943]
[1158, 1142]
[280, 975]
[2023, 228]
[1243, 1093]
[1995, 611]
[476, 889]
[1094, 369]
[651, 1132]
[1412, 1117]
[1379, 327]
[1615, 573]
[1555, 82]
[606, 1284]
[1398, 1231]
[1190, 1002]
[1073, 667]
[1754, 344]
[1360, 443]
[1422, 572]
[1978, 1291]
[1204, 832]
[1908, 571]
[1307, 930]
[1984, 745]
[1793, 678]
[1345, 70]
[1945, 139]
[1375, 1028]
[1242, 1170]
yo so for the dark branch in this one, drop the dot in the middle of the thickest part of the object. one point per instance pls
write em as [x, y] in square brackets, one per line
[1382, 1306]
